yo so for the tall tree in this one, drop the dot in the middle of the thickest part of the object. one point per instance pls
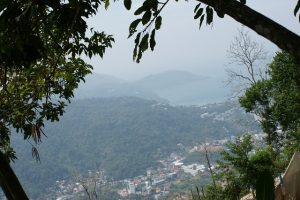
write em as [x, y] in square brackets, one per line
[276, 101]
[40, 66]
[241, 170]
[252, 72]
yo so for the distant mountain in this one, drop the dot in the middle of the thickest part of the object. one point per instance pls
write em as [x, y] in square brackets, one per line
[175, 87]
[168, 79]
[124, 136]
[185, 88]
[103, 86]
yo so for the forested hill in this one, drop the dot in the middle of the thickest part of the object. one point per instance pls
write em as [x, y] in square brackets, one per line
[122, 135]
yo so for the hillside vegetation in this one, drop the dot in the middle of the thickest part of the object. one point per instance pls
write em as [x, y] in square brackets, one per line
[124, 136]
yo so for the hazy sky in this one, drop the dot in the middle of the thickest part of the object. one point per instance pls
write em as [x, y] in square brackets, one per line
[180, 44]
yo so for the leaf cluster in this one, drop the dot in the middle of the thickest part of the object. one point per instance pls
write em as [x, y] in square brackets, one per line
[40, 64]
[149, 12]
[200, 14]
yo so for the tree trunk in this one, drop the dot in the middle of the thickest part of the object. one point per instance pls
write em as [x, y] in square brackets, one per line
[9, 182]
[279, 35]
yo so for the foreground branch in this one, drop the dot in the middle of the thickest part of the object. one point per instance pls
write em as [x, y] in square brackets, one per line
[269, 29]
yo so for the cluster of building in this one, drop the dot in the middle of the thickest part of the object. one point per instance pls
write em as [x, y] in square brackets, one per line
[154, 184]
[157, 183]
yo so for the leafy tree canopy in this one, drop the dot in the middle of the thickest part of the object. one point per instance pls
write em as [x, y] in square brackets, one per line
[277, 101]
[243, 169]
[40, 64]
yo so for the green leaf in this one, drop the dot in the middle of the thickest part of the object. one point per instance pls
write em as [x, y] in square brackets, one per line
[297, 7]
[199, 13]
[158, 23]
[132, 27]
[201, 20]
[146, 17]
[106, 4]
[148, 4]
[137, 39]
[196, 8]
[127, 4]
[135, 51]
[152, 40]
[209, 15]
[139, 11]
[243, 1]
[143, 46]
[139, 56]
[144, 43]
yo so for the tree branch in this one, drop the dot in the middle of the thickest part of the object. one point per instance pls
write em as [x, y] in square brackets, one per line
[269, 29]
[9, 181]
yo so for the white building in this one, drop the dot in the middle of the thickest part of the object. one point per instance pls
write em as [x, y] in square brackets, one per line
[193, 169]
[131, 188]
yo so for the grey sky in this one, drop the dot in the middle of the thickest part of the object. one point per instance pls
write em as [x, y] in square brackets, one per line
[180, 44]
